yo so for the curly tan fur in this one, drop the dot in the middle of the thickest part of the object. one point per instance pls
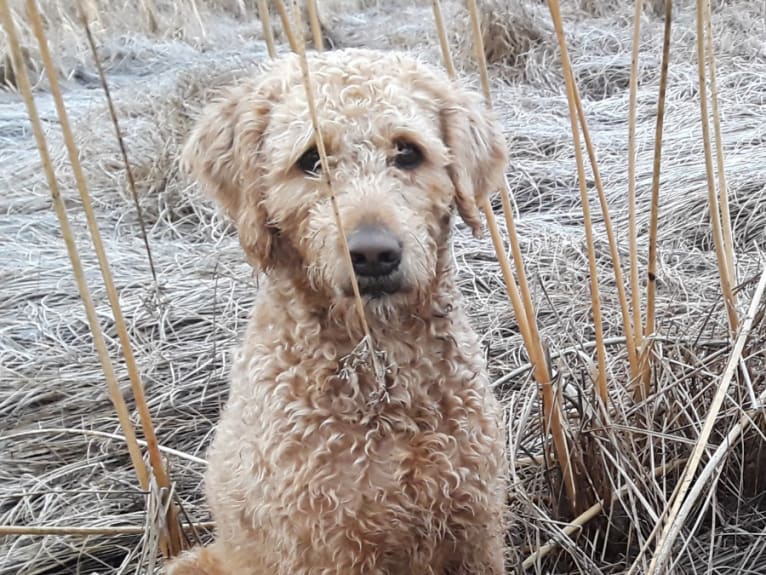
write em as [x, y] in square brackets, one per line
[316, 469]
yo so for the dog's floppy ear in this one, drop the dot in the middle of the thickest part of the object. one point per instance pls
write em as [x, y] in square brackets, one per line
[223, 151]
[478, 153]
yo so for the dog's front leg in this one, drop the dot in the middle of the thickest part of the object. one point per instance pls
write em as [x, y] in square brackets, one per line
[482, 552]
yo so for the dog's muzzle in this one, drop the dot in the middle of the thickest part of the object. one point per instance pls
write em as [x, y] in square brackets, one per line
[376, 254]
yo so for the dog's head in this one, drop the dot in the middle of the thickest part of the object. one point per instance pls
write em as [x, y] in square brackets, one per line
[406, 147]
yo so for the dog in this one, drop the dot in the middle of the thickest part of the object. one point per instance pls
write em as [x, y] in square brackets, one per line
[335, 453]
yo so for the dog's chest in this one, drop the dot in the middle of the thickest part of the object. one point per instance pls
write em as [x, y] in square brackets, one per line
[414, 465]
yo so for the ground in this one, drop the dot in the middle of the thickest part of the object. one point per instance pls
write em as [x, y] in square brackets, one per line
[64, 462]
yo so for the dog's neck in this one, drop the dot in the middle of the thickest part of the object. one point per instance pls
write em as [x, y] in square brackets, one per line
[414, 343]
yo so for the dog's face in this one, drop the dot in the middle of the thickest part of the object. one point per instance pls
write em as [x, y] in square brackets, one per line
[405, 147]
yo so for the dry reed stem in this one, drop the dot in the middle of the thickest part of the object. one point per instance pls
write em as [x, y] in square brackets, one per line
[478, 48]
[715, 215]
[675, 519]
[510, 282]
[61, 213]
[28, 530]
[572, 98]
[327, 176]
[643, 387]
[98, 244]
[121, 143]
[135, 379]
[268, 33]
[441, 31]
[614, 251]
[572, 527]
[519, 307]
[635, 292]
[553, 421]
[316, 27]
[170, 541]
[105, 435]
[288, 29]
[723, 192]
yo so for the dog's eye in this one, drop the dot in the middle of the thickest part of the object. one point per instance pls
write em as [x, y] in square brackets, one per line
[408, 155]
[309, 162]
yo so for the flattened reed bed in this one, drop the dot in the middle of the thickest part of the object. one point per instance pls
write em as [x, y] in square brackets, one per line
[51, 385]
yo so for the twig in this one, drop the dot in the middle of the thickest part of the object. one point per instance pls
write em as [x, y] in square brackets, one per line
[120, 140]
[441, 31]
[327, 175]
[573, 526]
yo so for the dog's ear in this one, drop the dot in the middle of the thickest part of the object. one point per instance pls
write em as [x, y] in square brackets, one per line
[478, 152]
[223, 153]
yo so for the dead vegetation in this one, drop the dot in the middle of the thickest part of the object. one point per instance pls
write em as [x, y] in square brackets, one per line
[64, 462]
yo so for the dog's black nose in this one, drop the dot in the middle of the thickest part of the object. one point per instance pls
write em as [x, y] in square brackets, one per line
[375, 251]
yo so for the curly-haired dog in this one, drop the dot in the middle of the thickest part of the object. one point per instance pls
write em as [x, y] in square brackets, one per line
[318, 467]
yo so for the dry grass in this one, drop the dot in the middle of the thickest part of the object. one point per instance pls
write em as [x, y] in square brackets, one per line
[510, 29]
[63, 463]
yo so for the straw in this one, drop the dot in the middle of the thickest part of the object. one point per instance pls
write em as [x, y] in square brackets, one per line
[268, 34]
[292, 39]
[316, 27]
[643, 387]
[675, 517]
[553, 422]
[632, 233]
[723, 192]
[724, 257]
